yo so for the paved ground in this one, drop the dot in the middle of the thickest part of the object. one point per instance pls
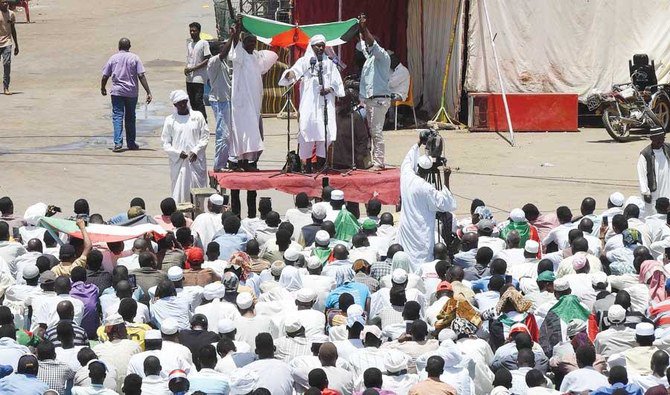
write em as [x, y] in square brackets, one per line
[55, 137]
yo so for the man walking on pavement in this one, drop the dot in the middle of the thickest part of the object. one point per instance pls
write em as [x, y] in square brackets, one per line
[7, 38]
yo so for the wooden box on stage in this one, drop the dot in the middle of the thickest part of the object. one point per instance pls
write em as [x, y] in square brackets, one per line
[199, 198]
[530, 112]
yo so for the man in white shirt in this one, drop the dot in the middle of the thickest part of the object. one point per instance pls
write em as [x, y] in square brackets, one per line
[33, 251]
[485, 229]
[153, 344]
[170, 345]
[586, 225]
[657, 223]
[97, 372]
[132, 262]
[9, 250]
[214, 307]
[618, 337]
[18, 297]
[10, 350]
[586, 378]
[153, 382]
[399, 80]
[280, 382]
[206, 224]
[314, 321]
[249, 324]
[45, 309]
[118, 350]
[632, 214]
[299, 216]
[559, 235]
[197, 56]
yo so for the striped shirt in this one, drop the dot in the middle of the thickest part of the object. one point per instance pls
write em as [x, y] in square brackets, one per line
[80, 337]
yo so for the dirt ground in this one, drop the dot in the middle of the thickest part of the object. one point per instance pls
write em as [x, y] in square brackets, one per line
[56, 132]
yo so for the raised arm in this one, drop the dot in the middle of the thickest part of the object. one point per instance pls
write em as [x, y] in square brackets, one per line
[88, 246]
[363, 28]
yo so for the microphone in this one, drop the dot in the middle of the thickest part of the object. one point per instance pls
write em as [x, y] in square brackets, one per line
[320, 57]
[312, 63]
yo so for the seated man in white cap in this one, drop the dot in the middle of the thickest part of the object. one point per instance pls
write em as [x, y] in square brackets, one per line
[19, 296]
[170, 334]
[243, 381]
[226, 329]
[213, 306]
[322, 285]
[292, 342]
[166, 304]
[321, 84]
[527, 267]
[421, 201]
[169, 361]
[614, 207]
[618, 337]
[118, 350]
[308, 232]
[191, 293]
[249, 324]
[580, 281]
[637, 360]
[313, 321]
[336, 204]
[208, 223]
[185, 136]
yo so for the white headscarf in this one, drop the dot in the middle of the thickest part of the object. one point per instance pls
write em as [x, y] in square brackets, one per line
[290, 279]
[318, 38]
[34, 213]
[177, 96]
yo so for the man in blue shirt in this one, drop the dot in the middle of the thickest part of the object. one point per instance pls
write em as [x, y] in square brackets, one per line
[374, 89]
[230, 241]
[24, 381]
[207, 379]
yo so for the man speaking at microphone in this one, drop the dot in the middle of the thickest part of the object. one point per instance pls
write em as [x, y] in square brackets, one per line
[321, 83]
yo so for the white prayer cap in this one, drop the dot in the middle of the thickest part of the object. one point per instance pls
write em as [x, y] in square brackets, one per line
[337, 194]
[319, 38]
[177, 96]
[575, 326]
[30, 272]
[169, 326]
[243, 381]
[175, 273]
[617, 199]
[561, 284]
[277, 267]
[225, 325]
[354, 315]
[446, 334]
[579, 261]
[34, 212]
[616, 314]
[291, 254]
[517, 215]
[292, 324]
[152, 334]
[322, 237]
[395, 362]
[532, 246]
[399, 276]
[644, 329]
[425, 162]
[598, 277]
[305, 295]
[313, 262]
[320, 210]
[213, 291]
[373, 330]
[113, 319]
[244, 300]
[216, 199]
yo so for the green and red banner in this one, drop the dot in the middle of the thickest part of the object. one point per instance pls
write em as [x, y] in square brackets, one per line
[279, 34]
[99, 233]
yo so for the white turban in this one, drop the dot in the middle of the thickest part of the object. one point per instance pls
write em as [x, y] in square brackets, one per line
[517, 215]
[319, 38]
[177, 96]
[34, 213]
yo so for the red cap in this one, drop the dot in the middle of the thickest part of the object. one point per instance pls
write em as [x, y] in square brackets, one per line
[444, 286]
[195, 254]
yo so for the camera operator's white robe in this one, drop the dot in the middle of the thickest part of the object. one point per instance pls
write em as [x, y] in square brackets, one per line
[186, 133]
[246, 99]
[311, 102]
[420, 203]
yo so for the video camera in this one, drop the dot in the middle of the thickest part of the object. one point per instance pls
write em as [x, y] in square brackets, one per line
[434, 143]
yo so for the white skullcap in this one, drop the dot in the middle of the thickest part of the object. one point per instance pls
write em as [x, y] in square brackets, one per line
[575, 326]
[213, 291]
[617, 199]
[616, 314]
[598, 277]
[354, 315]
[337, 194]
[34, 212]
[322, 237]
[292, 324]
[244, 300]
[225, 325]
[399, 276]
[313, 262]
[177, 96]
[319, 38]
[243, 381]
[446, 334]
[320, 210]
[644, 329]
[175, 273]
[114, 319]
[152, 334]
[30, 272]
[373, 330]
[395, 362]
[517, 215]
[291, 255]
[532, 246]
[216, 199]
[169, 326]
[561, 284]
[305, 295]
[425, 162]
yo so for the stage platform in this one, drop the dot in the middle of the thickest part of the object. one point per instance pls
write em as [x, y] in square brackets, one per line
[360, 186]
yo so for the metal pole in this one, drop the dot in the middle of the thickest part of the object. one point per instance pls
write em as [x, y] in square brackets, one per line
[502, 86]
[339, 18]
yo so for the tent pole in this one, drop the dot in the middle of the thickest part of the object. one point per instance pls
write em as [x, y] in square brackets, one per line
[443, 108]
[500, 80]
[339, 19]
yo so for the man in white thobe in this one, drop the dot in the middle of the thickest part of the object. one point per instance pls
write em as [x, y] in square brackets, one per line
[206, 225]
[399, 80]
[652, 169]
[321, 83]
[420, 202]
[246, 141]
[185, 136]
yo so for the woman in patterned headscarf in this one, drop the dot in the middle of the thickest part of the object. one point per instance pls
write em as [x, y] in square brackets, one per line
[240, 263]
[512, 308]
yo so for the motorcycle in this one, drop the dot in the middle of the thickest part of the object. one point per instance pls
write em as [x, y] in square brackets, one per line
[627, 109]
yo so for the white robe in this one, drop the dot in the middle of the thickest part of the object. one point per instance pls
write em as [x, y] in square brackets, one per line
[311, 101]
[420, 202]
[187, 133]
[247, 98]
[662, 178]
[206, 225]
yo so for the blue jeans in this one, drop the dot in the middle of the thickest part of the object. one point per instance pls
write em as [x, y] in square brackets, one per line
[124, 108]
[6, 59]
[222, 114]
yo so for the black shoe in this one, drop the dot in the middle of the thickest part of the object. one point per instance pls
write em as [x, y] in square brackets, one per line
[117, 148]
[133, 147]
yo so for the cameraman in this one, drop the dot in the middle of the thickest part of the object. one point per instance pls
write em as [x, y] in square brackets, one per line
[421, 201]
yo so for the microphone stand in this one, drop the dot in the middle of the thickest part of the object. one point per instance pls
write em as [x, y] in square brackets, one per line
[326, 166]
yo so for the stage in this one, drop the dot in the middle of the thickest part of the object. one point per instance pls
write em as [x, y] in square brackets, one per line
[360, 186]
